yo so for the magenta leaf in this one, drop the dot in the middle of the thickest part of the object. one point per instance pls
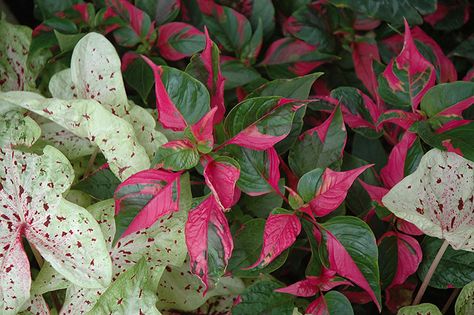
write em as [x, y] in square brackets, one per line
[281, 229]
[352, 253]
[364, 53]
[178, 40]
[394, 171]
[325, 191]
[409, 257]
[407, 77]
[203, 132]
[206, 68]
[208, 240]
[145, 197]
[287, 57]
[221, 175]
[258, 123]
[65, 234]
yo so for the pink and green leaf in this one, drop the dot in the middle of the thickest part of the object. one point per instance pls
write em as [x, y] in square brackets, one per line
[221, 175]
[177, 155]
[145, 197]
[364, 53]
[178, 40]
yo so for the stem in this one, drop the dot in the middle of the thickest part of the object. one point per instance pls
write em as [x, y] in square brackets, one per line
[90, 164]
[450, 300]
[430, 273]
[38, 257]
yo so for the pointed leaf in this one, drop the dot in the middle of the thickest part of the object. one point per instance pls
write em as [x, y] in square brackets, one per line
[209, 241]
[145, 197]
[407, 77]
[203, 131]
[206, 68]
[438, 198]
[352, 253]
[320, 146]
[332, 190]
[258, 123]
[281, 229]
[178, 40]
[364, 53]
[181, 100]
[221, 175]
[330, 303]
[177, 155]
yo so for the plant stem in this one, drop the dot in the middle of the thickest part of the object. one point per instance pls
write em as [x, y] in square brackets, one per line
[90, 164]
[430, 272]
[450, 300]
[38, 257]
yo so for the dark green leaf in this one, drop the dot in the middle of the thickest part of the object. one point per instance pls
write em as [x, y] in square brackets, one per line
[100, 185]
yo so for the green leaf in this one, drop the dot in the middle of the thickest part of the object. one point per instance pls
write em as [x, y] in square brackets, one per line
[131, 293]
[261, 206]
[139, 76]
[313, 152]
[309, 183]
[260, 298]
[359, 241]
[456, 268]
[443, 96]
[387, 11]
[247, 247]
[465, 301]
[87, 118]
[388, 260]
[237, 74]
[67, 41]
[315, 265]
[338, 304]
[437, 198]
[177, 155]
[100, 185]
[298, 88]
[420, 309]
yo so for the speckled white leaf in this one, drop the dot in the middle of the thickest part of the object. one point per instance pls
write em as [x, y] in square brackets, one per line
[17, 72]
[35, 306]
[61, 85]
[180, 290]
[18, 129]
[438, 198]
[131, 293]
[95, 73]
[66, 235]
[87, 118]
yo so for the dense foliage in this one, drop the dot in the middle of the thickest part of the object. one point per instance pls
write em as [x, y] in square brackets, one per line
[237, 157]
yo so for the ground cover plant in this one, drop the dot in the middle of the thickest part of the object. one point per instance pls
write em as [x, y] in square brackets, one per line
[237, 157]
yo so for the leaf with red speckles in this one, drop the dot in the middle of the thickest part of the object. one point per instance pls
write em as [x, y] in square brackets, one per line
[180, 290]
[320, 146]
[16, 128]
[407, 77]
[438, 198]
[66, 235]
[35, 306]
[221, 175]
[258, 123]
[281, 230]
[87, 118]
[18, 69]
[326, 190]
[138, 26]
[178, 40]
[145, 197]
[289, 57]
[206, 68]
[132, 293]
[209, 241]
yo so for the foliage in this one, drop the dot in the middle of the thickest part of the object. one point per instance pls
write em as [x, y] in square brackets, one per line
[236, 157]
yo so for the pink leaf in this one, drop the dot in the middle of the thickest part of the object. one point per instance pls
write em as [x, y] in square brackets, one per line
[363, 56]
[341, 262]
[280, 233]
[333, 190]
[318, 307]
[203, 130]
[409, 257]
[221, 176]
[375, 192]
[157, 192]
[172, 36]
[168, 114]
[132, 15]
[394, 171]
[420, 73]
[207, 226]
[399, 117]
